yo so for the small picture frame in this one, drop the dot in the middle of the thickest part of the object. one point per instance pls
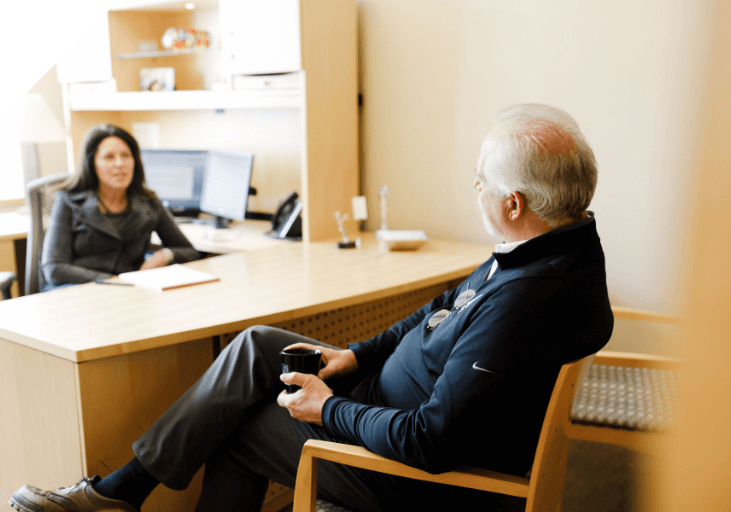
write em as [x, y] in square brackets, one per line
[157, 79]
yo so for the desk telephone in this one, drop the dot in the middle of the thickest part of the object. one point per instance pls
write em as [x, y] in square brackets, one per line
[287, 221]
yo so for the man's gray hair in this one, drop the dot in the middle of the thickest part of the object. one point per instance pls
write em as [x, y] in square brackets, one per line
[539, 151]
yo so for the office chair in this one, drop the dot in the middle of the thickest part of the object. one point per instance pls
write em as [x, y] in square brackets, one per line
[6, 281]
[543, 488]
[40, 201]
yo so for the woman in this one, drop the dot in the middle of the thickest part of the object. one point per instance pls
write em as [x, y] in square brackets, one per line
[104, 215]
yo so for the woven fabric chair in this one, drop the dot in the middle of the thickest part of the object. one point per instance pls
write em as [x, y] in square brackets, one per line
[543, 489]
[40, 199]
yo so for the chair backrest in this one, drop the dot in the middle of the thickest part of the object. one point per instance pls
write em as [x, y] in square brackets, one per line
[549, 466]
[40, 201]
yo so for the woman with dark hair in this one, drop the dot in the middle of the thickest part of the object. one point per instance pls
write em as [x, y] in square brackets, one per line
[104, 216]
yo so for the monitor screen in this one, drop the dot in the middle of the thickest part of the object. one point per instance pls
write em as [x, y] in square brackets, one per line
[176, 176]
[226, 185]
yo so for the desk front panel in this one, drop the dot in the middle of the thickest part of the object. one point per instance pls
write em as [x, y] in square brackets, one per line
[62, 420]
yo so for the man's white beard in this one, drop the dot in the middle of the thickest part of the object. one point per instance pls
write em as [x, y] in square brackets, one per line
[482, 203]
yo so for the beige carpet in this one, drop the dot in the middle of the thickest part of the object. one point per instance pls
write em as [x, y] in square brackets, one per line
[603, 478]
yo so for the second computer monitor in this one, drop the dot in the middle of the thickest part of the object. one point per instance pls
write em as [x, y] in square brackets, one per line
[226, 184]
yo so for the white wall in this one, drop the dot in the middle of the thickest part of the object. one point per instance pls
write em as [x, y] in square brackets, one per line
[51, 155]
[435, 72]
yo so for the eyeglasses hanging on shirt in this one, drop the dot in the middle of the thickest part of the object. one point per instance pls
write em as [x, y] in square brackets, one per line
[441, 315]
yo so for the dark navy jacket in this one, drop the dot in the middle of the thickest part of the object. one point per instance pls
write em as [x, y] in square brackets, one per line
[474, 389]
[82, 244]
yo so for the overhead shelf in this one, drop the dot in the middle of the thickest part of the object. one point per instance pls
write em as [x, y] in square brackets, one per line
[187, 100]
[161, 53]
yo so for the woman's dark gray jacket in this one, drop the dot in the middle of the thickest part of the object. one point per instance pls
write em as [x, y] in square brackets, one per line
[82, 244]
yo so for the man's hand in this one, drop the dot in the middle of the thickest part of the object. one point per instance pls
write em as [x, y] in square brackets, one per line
[336, 363]
[306, 404]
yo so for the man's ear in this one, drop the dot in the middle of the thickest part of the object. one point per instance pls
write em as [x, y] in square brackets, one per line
[516, 205]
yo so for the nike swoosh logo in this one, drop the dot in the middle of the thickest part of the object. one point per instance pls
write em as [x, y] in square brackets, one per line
[474, 365]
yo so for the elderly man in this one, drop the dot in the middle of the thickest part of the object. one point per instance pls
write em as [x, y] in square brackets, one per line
[464, 380]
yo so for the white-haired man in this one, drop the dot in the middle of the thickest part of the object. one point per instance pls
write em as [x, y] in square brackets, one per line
[464, 380]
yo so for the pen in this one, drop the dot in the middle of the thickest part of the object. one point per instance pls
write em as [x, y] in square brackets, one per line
[113, 282]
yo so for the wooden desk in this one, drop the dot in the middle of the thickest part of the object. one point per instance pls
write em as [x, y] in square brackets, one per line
[14, 226]
[13, 233]
[87, 369]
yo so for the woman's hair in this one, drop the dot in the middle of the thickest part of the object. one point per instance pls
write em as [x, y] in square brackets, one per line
[539, 151]
[85, 177]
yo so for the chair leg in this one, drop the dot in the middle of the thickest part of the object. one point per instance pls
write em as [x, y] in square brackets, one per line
[305, 492]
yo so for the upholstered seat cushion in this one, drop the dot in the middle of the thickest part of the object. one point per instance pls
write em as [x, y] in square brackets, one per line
[643, 399]
[326, 506]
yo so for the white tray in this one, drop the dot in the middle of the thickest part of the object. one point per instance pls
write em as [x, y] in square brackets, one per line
[401, 239]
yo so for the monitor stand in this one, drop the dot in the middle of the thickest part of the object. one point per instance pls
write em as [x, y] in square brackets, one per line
[214, 222]
[220, 222]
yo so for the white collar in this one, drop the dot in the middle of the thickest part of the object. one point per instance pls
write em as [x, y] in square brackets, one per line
[508, 246]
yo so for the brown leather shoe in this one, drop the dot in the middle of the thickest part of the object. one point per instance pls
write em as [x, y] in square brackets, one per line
[78, 498]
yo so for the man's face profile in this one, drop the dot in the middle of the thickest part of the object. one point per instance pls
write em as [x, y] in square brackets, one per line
[486, 200]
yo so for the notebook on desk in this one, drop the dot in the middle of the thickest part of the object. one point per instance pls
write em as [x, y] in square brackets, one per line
[167, 278]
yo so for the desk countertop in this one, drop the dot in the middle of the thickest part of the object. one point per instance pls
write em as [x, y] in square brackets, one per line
[273, 284]
[13, 226]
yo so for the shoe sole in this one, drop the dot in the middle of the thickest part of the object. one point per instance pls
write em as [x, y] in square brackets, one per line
[30, 507]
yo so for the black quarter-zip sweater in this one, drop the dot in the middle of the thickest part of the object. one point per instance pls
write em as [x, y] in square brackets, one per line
[474, 389]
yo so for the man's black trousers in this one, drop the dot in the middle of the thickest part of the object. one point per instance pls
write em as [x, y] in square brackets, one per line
[229, 420]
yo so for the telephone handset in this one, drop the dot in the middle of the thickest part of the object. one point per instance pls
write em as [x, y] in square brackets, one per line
[287, 221]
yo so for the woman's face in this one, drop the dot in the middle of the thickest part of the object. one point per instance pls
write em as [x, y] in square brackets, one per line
[114, 165]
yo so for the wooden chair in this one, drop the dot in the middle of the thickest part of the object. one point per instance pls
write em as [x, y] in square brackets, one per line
[543, 489]
[628, 399]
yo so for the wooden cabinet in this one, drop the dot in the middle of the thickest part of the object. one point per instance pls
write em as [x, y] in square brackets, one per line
[267, 43]
[303, 131]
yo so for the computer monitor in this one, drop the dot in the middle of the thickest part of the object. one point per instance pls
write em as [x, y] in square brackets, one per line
[226, 185]
[176, 176]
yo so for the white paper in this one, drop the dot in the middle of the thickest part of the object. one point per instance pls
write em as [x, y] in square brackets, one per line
[166, 278]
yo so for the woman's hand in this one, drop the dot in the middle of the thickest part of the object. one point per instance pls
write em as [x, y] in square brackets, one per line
[335, 363]
[306, 403]
[156, 260]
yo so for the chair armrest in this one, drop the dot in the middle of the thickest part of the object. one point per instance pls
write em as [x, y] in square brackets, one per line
[306, 486]
[6, 281]
[633, 360]
[647, 316]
